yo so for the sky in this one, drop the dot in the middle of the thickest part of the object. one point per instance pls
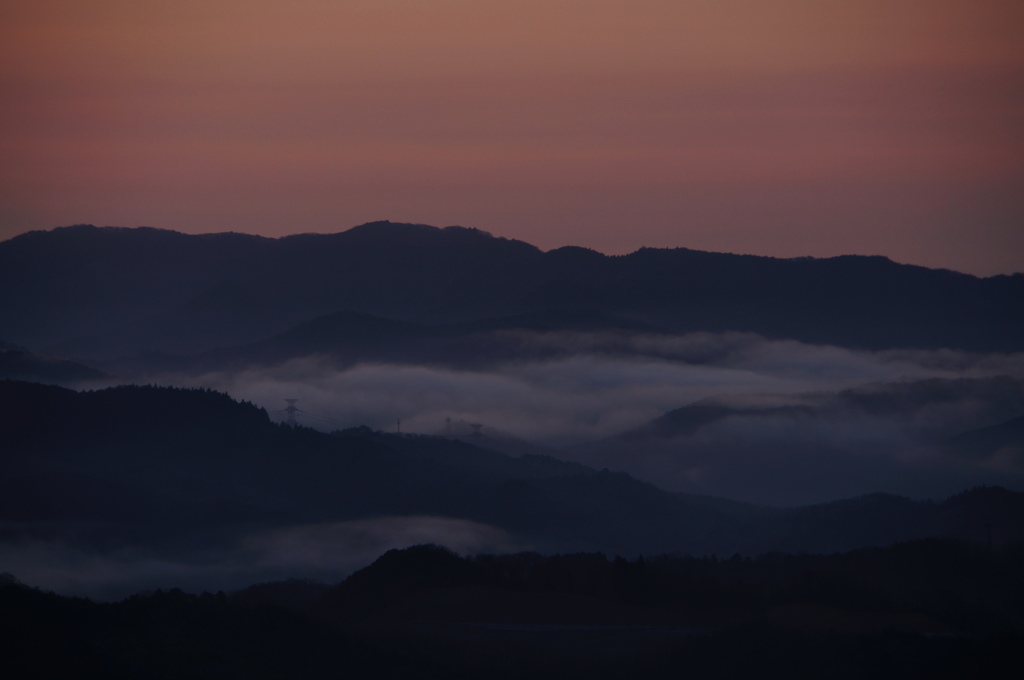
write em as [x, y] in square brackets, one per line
[789, 128]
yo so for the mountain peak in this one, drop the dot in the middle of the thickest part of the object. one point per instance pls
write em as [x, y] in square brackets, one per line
[389, 228]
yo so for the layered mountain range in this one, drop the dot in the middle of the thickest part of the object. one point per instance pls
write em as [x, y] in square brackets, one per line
[219, 495]
[102, 293]
[665, 401]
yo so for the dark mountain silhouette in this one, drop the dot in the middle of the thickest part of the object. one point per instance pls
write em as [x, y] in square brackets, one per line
[430, 584]
[691, 418]
[179, 473]
[346, 338]
[768, 447]
[181, 464]
[112, 491]
[1001, 444]
[109, 292]
[994, 397]
[932, 608]
[18, 363]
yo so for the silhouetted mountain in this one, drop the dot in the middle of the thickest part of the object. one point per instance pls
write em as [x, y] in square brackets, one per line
[893, 436]
[1000, 445]
[18, 363]
[191, 475]
[918, 609]
[108, 292]
[172, 634]
[689, 419]
[346, 338]
[430, 584]
[163, 467]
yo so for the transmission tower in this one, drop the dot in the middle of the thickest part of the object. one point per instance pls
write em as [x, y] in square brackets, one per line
[291, 411]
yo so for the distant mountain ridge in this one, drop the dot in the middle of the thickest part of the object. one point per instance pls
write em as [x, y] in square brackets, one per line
[101, 293]
[347, 338]
[17, 363]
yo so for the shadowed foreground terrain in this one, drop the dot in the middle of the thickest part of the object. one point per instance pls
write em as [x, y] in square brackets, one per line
[696, 380]
[578, 572]
[920, 609]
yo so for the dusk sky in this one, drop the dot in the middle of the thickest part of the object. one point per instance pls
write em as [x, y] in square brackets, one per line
[785, 128]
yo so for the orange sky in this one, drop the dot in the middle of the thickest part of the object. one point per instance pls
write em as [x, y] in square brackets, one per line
[792, 127]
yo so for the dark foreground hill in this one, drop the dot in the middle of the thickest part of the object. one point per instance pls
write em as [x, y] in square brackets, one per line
[100, 293]
[923, 609]
[150, 485]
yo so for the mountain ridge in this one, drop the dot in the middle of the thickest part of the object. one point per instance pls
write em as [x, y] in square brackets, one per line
[99, 293]
[166, 470]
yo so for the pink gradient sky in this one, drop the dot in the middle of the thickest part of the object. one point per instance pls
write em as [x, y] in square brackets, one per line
[792, 127]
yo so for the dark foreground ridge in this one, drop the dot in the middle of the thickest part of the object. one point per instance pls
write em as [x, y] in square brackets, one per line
[102, 293]
[920, 609]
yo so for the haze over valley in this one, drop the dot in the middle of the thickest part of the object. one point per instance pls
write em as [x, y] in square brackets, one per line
[812, 380]
[717, 372]
[485, 395]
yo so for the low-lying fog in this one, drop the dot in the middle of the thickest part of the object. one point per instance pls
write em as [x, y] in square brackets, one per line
[786, 423]
[597, 391]
[822, 447]
[75, 563]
